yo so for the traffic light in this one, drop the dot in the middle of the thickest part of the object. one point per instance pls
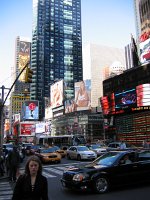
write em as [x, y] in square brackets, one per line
[28, 75]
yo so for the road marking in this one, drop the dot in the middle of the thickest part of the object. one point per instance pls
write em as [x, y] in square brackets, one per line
[54, 171]
[5, 191]
[47, 175]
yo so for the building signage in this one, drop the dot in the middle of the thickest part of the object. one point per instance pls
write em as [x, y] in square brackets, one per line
[27, 129]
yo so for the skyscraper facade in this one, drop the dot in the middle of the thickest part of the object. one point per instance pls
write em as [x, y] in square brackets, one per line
[56, 51]
[142, 16]
[20, 91]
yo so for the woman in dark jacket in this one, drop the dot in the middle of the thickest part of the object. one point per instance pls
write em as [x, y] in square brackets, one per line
[32, 185]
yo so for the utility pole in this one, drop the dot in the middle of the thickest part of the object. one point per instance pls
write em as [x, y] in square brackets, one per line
[2, 115]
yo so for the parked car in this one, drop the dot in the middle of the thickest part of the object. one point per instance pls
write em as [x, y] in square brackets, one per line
[109, 170]
[80, 153]
[48, 155]
[98, 149]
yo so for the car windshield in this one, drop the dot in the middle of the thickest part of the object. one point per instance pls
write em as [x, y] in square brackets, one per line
[107, 159]
[95, 146]
[50, 150]
[83, 148]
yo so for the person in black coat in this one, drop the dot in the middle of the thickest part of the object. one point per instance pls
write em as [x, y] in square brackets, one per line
[32, 185]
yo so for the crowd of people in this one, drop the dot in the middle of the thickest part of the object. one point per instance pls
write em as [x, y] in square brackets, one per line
[29, 185]
[9, 162]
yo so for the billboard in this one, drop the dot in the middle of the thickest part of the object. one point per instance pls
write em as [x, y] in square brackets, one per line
[143, 95]
[126, 99]
[57, 94]
[24, 56]
[70, 106]
[30, 110]
[83, 95]
[27, 129]
[145, 51]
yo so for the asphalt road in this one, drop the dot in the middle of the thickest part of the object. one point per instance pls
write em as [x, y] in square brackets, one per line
[53, 172]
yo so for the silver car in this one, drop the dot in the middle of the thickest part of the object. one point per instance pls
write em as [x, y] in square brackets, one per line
[99, 150]
[81, 153]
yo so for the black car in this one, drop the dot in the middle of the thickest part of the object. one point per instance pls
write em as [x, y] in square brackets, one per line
[109, 170]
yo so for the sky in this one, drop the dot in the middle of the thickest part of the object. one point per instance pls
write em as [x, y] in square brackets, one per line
[104, 22]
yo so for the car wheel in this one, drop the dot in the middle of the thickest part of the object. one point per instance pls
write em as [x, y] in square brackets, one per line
[101, 185]
[68, 157]
[78, 157]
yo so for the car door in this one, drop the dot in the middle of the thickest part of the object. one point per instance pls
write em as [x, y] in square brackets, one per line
[144, 165]
[72, 152]
[125, 173]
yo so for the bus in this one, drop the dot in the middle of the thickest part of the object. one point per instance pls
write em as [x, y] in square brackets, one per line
[62, 140]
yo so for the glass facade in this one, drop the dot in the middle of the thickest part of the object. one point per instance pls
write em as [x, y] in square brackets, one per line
[56, 51]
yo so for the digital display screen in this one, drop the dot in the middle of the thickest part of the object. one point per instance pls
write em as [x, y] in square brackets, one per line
[126, 99]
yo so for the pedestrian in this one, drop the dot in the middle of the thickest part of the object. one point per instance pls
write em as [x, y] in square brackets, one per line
[13, 163]
[32, 185]
[145, 144]
[123, 145]
[2, 171]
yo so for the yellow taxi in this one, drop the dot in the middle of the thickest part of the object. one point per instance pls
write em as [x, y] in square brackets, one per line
[60, 151]
[48, 155]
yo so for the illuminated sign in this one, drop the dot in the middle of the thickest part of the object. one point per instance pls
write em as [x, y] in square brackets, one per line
[30, 110]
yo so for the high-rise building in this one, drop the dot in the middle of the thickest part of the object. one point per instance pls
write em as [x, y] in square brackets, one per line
[56, 51]
[142, 16]
[98, 60]
[20, 91]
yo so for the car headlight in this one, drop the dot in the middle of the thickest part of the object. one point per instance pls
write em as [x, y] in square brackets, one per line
[79, 177]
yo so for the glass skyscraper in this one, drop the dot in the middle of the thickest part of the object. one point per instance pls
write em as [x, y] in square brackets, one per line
[56, 51]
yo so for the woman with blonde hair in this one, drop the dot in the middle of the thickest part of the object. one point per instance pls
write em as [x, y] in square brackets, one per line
[82, 97]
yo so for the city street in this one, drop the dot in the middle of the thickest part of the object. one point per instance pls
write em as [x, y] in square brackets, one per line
[54, 172]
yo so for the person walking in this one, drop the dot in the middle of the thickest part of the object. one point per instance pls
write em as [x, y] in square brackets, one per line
[31, 185]
[13, 163]
[2, 171]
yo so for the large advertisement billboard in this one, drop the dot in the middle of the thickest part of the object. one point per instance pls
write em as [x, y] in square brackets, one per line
[70, 106]
[83, 95]
[125, 99]
[27, 129]
[57, 94]
[24, 56]
[145, 51]
[30, 110]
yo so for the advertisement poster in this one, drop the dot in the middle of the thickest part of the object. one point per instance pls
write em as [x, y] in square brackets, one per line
[24, 56]
[31, 110]
[27, 129]
[83, 95]
[145, 51]
[57, 94]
